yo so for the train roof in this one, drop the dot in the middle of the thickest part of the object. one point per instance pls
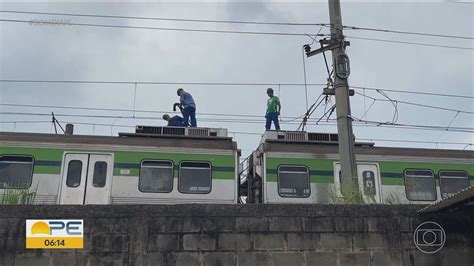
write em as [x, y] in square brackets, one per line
[323, 143]
[324, 148]
[127, 139]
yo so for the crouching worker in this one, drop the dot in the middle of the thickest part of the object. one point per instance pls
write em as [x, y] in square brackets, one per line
[175, 121]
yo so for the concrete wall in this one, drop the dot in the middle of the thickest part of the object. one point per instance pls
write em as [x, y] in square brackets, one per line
[240, 235]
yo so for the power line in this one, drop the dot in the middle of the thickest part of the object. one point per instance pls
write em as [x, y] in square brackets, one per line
[417, 141]
[416, 104]
[462, 2]
[161, 82]
[379, 123]
[249, 133]
[412, 92]
[246, 118]
[130, 110]
[227, 31]
[24, 122]
[224, 84]
[245, 121]
[221, 114]
[167, 19]
[160, 28]
[409, 32]
[411, 43]
[233, 22]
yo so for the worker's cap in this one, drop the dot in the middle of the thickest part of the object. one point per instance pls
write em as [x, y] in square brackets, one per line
[166, 116]
[269, 90]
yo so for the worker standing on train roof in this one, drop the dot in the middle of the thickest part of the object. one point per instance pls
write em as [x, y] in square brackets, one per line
[273, 110]
[175, 121]
[189, 107]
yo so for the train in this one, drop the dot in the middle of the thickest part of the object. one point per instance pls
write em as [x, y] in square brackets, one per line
[173, 165]
[304, 167]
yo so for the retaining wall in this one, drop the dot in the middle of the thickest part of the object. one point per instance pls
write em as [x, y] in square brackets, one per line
[240, 235]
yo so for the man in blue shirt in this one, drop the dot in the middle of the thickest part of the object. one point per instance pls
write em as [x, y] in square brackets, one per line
[189, 107]
[175, 121]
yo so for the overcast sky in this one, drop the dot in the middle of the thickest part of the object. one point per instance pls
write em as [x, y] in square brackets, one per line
[65, 52]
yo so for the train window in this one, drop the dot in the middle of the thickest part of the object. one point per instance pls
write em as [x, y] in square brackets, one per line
[195, 177]
[16, 171]
[452, 182]
[100, 174]
[156, 176]
[368, 178]
[420, 185]
[293, 181]
[74, 172]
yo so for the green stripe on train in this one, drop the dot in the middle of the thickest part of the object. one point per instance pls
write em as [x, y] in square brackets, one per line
[392, 181]
[391, 167]
[38, 153]
[399, 167]
[215, 174]
[55, 155]
[137, 157]
[56, 170]
[319, 164]
[121, 156]
[385, 167]
[313, 179]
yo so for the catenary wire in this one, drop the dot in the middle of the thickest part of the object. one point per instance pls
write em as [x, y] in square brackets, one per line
[244, 133]
[232, 32]
[234, 22]
[162, 28]
[224, 84]
[130, 110]
[166, 19]
[237, 121]
[408, 32]
[410, 43]
[162, 112]
[416, 104]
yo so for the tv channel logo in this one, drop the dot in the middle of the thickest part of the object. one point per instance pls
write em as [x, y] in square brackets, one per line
[429, 237]
[54, 234]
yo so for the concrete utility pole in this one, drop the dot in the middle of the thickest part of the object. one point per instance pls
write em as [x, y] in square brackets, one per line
[343, 110]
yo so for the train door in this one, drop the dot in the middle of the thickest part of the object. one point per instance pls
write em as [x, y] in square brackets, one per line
[86, 178]
[369, 182]
[368, 178]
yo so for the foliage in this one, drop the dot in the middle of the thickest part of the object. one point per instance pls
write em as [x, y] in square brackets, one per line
[351, 195]
[392, 198]
[16, 196]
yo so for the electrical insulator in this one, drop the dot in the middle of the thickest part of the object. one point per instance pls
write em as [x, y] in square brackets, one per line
[307, 48]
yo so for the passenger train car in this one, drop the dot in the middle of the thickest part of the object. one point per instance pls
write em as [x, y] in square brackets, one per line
[158, 165]
[166, 165]
[302, 167]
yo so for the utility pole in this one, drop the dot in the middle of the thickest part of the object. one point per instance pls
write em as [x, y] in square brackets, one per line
[340, 88]
[343, 110]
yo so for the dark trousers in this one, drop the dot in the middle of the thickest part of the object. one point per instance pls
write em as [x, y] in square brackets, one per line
[189, 113]
[272, 116]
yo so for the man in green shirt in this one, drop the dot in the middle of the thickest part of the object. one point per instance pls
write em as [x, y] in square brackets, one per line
[273, 110]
